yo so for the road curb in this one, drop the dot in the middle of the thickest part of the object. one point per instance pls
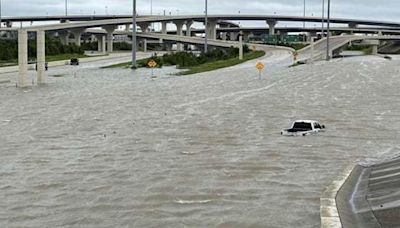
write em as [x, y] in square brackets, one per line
[328, 207]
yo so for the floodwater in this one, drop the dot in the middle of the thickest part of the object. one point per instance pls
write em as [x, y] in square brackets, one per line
[112, 148]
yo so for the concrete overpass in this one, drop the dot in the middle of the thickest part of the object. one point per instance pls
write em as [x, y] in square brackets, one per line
[318, 50]
[200, 18]
[110, 25]
[233, 33]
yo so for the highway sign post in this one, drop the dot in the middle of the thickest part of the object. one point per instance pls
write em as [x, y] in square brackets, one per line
[152, 64]
[295, 55]
[260, 67]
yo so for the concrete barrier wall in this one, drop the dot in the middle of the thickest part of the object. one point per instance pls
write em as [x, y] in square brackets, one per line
[353, 207]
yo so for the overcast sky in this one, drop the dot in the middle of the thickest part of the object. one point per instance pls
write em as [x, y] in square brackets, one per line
[387, 10]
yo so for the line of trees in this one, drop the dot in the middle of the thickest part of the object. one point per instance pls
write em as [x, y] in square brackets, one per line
[9, 48]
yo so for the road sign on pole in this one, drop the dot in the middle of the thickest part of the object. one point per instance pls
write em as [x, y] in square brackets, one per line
[295, 55]
[152, 64]
[260, 67]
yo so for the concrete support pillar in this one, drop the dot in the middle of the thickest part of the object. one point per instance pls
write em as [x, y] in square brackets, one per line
[168, 46]
[101, 43]
[246, 36]
[93, 38]
[380, 33]
[240, 46]
[77, 36]
[212, 29]
[145, 45]
[179, 27]
[110, 42]
[308, 37]
[22, 58]
[233, 36]
[164, 27]
[64, 38]
[189, 28]
[144, 26]
[271, 25]
[353, 26]
[41, 57]
[224, 36]
[179, 32]
[374, 49]
[110, 38]
[127, 27]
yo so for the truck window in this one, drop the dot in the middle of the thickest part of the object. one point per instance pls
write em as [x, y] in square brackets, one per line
[302, 125]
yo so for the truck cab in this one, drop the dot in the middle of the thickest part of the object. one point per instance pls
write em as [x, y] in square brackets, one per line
[303, 128]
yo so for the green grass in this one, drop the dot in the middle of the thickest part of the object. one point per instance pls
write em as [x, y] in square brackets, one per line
[127, 65]
[8, 63]
[64, 57]
[119, 65]
[367, 50]
[222, 63]
[203, 67]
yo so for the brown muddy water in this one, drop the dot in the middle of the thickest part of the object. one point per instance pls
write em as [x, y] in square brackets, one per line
[109, 148]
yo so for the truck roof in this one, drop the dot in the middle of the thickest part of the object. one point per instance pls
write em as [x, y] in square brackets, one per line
[306, 121]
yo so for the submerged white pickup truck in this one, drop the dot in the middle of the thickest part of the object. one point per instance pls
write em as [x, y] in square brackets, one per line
[304, 128]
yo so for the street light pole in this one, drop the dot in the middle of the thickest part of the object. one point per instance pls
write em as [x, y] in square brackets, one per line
[151, 14]
[0, 13]
[134, 35]
[304, 15]
[328, 56]
[206, 30]
[323, 19]
[66, 8]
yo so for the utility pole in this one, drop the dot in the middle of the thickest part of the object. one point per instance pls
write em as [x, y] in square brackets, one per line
[304, 15]
[206, 29]
[0, 13]
[134, 35]
[323, 18]
[66, 8]
[328, 55]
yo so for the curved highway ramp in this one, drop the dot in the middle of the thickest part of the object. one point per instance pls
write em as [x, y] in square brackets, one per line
[336, 44]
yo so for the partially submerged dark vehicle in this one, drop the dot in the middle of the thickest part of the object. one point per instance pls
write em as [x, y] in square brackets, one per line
[74, 62]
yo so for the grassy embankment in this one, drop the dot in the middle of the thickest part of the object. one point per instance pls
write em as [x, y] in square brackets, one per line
[194, 65]
[222, 63]
[367, 50]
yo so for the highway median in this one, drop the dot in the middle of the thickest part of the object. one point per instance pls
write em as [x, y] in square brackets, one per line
[192, 63]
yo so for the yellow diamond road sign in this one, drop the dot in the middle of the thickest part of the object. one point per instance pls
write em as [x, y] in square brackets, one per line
[260, 66]
[152, 63]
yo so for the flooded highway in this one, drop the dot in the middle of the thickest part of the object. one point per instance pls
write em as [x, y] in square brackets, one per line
[112, 148]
